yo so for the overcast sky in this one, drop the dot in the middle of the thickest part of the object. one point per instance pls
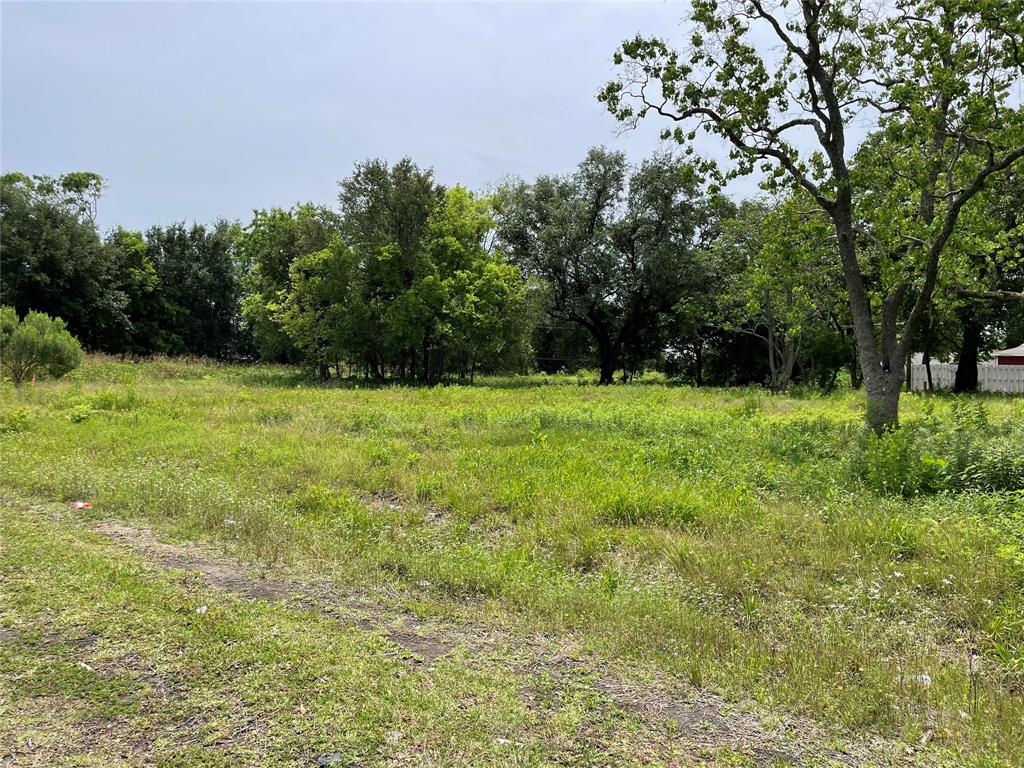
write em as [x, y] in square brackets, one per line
[195, 110]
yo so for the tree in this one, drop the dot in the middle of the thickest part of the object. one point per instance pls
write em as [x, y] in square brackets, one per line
[484, 319]
[200, 288]
[317, 311]
[448, 303]
[39, 345]
[267, 248]
[610, 243]
[936, 74]
[51, 257]
[135, 286]
[785, 287]
[385, 211]
[384, 205]
[986, 273]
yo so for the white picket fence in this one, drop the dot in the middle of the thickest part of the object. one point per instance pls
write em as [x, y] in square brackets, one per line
[991, 378]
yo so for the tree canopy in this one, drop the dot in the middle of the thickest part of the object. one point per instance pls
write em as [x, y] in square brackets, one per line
[934, 76]
[613, 245]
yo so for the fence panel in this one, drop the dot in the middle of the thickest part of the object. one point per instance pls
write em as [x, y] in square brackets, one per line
[991, 378]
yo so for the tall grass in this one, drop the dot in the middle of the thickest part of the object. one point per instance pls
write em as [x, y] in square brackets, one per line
[760, 545]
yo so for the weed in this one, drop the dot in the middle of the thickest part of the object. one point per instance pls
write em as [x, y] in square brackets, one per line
[13, 420]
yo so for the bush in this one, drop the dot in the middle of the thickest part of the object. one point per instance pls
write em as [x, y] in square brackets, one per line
[39, 345]
[13, 421]
[895, 462]
[966, 453]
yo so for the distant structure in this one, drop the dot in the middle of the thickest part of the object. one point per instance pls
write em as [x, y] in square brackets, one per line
[1012, 356]
[1004, 372]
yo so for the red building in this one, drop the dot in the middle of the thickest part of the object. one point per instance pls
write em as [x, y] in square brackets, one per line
[1014, 356]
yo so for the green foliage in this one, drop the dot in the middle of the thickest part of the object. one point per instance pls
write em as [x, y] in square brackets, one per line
[448, 304]
[787, 286]
[200, 289]
[175, 290]
[267, 248]
[38, 345]
[13, 420]
[614, 247]
[894, 463]
[134, 280]
[52, 259]
[964, 453]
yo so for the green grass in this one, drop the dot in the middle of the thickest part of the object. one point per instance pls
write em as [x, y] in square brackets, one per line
[757, 546]
[128, 655]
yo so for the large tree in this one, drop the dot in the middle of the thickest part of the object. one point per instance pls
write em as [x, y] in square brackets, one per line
[610, 242]
[385, 212]
[52, 259]
[986, 274]
[453, 305]
[135, 286]
[935, 75]
[200, 287]
[267, 248]
[784, 290]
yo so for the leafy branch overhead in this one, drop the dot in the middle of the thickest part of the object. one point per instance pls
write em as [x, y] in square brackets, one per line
[788, 87]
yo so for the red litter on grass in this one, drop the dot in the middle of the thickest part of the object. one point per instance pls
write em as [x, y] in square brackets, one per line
[81, 505]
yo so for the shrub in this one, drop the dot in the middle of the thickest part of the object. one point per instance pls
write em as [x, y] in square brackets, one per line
[967, 453]
[39, 345]
[993, 468]
[13, 421]
[896, 463]
[116, 400]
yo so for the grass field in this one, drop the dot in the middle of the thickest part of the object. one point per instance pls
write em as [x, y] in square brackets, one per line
[524, 572]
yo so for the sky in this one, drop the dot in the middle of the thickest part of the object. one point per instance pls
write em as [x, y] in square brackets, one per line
[194, 111]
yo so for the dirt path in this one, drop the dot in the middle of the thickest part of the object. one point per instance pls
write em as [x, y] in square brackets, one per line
[703, 720]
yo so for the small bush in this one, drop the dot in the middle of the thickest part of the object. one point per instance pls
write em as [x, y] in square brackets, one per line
[39, 345]
[13, 421]
[895, 463]
[81, 412]
[993, 468]
[116, 400]
[966, 453]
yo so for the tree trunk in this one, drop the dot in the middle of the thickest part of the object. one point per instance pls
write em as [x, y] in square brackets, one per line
[773, 367]
[926, 351]
[854, 370]
[698, 361]
[609, 355]
[882, 373]
[967, 361]
[883, 391]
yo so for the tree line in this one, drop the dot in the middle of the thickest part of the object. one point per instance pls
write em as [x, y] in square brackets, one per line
[853, 258]
[617, 267]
